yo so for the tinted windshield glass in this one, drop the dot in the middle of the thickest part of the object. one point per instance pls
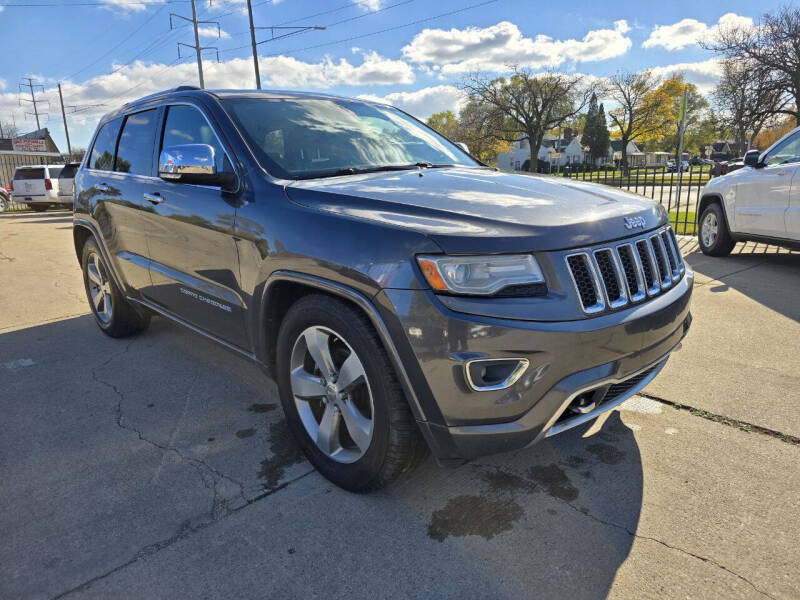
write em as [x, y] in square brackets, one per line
[28, 174]
[300, 138]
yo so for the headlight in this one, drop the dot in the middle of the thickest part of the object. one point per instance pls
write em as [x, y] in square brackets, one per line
[483, 275]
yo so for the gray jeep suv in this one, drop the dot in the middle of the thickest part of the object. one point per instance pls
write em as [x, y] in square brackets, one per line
[404, 296]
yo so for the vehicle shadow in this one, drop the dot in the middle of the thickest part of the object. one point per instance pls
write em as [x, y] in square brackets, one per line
[111, 447]
[767, 274]
[35, 217]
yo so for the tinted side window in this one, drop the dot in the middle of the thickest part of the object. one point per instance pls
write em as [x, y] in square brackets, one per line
[55, 172]
[186, 125]
[787, 152]
[135, 149]
[28, 174]
[102, 156]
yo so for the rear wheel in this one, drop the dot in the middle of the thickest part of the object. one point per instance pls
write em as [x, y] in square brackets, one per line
[341, 396]
[113, 313]
[713, 236]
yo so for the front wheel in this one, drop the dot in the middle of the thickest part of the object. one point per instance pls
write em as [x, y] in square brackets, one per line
[713, 236]
[341, 396]
[113, 313]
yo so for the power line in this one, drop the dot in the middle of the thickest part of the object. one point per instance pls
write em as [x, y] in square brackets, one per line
[32, 87]
[304, 29]
[197, 47]
[365, 35]
[128, 37]
[71, 4]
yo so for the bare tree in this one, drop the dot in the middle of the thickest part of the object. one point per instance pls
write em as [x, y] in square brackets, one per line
[748, 98]
[773, 46]
[528, 103]
[8, 130]
[642, 109]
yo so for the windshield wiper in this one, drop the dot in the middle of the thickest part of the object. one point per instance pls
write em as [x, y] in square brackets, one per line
[375, 169]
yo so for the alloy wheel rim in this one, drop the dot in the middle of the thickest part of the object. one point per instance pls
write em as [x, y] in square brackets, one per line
[332, 394]
[709, 230]
[99, 288]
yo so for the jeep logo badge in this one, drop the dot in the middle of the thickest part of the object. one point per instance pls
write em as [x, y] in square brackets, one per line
[634, 222]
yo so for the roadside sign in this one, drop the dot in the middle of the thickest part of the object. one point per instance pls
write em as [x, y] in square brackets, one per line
[28, 145]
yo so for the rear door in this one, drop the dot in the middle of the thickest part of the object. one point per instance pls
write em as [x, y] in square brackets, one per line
[194, 263]
[117, 168]
[29, 184]
[762, 195]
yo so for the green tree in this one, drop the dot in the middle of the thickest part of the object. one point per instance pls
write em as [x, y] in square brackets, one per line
[595, 132]
[446, 123]
[529, 103]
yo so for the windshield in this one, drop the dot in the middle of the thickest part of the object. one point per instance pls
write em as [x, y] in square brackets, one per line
[300, 138]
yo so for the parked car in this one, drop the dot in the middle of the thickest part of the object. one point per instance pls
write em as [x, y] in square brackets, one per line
[671, 168]
[66, 184]
[404, 296]
[37, 186]
[758, 202]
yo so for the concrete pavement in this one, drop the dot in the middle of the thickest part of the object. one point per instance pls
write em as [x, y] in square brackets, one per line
[160, 467]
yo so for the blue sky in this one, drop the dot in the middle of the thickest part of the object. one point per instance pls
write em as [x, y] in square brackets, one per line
[87, 48]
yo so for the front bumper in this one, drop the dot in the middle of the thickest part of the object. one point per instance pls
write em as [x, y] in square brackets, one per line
[625, 350]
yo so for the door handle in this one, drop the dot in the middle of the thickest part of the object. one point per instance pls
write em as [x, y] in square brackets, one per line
[154, 198]
[103, 187]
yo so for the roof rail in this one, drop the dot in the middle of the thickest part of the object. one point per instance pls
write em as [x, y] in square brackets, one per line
[180, 88]
[185, 88]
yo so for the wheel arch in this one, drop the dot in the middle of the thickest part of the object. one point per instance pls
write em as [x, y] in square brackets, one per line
[705, 202]
[283, 288]
[80, 233]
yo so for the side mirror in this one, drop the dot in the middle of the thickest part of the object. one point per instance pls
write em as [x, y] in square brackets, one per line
[463, 146]
[191, 163]
[751, 159]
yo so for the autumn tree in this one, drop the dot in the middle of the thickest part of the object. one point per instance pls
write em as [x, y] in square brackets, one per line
[747, 99]
[478, 128]
[771, 48]
[446, 123]
[529, 104]
[642, 108]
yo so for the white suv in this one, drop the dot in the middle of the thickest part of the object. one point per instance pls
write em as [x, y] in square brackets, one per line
[760, 202]
[37, 186]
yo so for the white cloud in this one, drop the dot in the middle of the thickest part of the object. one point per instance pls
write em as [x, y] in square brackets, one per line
[494, 48]
[704, 75]
[423, 103]
[369, 4]
[3, 84]
[129, 5]
[687, 32]
[139, 79]
[211, 32]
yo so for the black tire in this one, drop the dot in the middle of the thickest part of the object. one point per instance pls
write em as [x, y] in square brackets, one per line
[396, 445]
[39, 207]
[123, 319]
[719, 244]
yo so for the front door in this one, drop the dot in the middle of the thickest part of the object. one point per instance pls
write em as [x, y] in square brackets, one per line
[194, 265]
[762, 195]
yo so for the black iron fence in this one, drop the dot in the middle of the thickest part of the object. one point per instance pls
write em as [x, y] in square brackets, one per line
[678, 192]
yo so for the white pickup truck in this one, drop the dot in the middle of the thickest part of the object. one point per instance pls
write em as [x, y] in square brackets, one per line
[760, 202]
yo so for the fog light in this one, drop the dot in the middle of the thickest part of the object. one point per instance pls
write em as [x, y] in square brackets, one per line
[490, 374]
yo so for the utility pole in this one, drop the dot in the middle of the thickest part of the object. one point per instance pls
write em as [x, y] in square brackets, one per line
[64, 116]
[197, 47]
[32, 90]
[681, 131]
[253, 44]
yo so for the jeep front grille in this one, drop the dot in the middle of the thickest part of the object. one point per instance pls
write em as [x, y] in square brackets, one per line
[614, 276]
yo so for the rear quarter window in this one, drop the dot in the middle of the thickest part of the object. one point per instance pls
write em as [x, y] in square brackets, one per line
[102, 156]
[68, 172]
[31, 173]
[55, 172]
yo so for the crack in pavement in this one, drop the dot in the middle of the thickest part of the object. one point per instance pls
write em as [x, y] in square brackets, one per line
[199, 464]
[219, 510]
[635, 535]
[181, 534]
[787, 438]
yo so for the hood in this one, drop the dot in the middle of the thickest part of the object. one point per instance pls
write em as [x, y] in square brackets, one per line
[481, 210]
